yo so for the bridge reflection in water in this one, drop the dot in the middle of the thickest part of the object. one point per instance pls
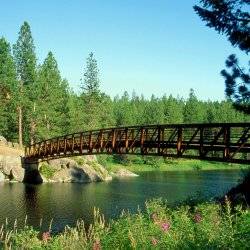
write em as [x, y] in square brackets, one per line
[227, 142]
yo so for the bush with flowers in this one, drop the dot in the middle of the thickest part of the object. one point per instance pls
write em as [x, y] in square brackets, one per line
[206, 226]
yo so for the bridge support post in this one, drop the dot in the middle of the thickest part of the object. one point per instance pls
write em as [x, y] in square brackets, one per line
[179, 141]
[57, 147]
[90, 142]
[45, 148]
[160, 137]
[65, 146]
[201, 150]
[226, 139]
[101, 140]
[142, 141]
[81, 142]
[126, 140]
[51, 147]
[113, 141]
[73, 144]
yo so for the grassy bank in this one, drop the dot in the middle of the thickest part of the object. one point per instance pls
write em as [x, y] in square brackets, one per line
[137, 164]
[207, 226]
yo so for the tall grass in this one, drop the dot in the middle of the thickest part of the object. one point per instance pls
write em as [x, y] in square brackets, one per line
[205, 226]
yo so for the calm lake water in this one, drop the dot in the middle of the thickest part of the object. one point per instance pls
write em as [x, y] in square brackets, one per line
[67, 202]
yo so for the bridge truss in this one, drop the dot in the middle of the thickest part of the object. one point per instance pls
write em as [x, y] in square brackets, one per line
[228, 142]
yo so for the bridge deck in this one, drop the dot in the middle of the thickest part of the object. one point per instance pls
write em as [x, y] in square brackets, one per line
[229, 142]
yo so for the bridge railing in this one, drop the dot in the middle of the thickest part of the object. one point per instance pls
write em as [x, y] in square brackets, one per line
[221, 141]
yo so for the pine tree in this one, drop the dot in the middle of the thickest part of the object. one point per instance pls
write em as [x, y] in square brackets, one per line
[173, 110]
[76, 113]
[51, 114]
[237, 84]
[25, 59]
[123, 111]
[8, 92]
[91, 95]
[91, 82]
[154, 111]
[193, 111]
[231, 18]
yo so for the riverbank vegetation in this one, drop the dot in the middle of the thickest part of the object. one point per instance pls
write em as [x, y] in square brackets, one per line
[37, 102]
[151, 163]
[207, 226]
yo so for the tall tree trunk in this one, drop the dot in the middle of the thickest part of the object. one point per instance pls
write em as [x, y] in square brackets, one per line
[33, 125]
[20, 116]
[20, 126]
[32, 131]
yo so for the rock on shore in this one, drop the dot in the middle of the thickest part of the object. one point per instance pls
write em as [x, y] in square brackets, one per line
[80, 169]
[11, 164]
[124, 173]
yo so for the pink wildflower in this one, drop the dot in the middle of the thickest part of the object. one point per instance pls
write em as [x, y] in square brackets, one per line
[46, 236]
[165, 226]
[154, 241]
[97, 245]
[197, 218]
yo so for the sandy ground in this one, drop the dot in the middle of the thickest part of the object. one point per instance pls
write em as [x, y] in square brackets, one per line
[10, 151]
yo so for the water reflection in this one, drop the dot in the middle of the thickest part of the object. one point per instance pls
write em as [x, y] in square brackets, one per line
[67, 202]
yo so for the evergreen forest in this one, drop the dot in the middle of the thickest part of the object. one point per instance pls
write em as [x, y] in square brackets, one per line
[36, 102]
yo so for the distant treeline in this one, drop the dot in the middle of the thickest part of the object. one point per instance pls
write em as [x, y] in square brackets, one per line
[37, 103]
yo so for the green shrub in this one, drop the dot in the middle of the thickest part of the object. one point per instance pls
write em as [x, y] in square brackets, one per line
[153, 161]
[122, 159]
[47, 171]
[79, 160]
[197, 167]
[205, 226]
[104, 160]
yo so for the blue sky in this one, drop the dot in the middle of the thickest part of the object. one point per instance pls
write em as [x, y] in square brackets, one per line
[150, 46]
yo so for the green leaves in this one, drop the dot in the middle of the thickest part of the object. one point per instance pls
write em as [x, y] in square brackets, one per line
[8, 91]
[51, 113]
[231, 18]
[96, 106]
[24, 53]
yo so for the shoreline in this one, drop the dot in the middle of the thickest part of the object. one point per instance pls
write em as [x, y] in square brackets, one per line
[181, 165]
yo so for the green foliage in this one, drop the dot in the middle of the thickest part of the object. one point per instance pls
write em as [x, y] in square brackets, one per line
[52, 95]
[231, 18]
[173, 109]
[26, 238]
[105, 160]
[153, 111]
[197, 166]
[91, 82]
[25, 60]
[193, 110]
[47, 171]
[153, 161]
[149, 163]
[79, 160]
[8, 92]
[228, 17]
[206, 226]
[237, 83]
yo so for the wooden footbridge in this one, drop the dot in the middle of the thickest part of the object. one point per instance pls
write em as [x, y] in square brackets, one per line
[228, 142]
